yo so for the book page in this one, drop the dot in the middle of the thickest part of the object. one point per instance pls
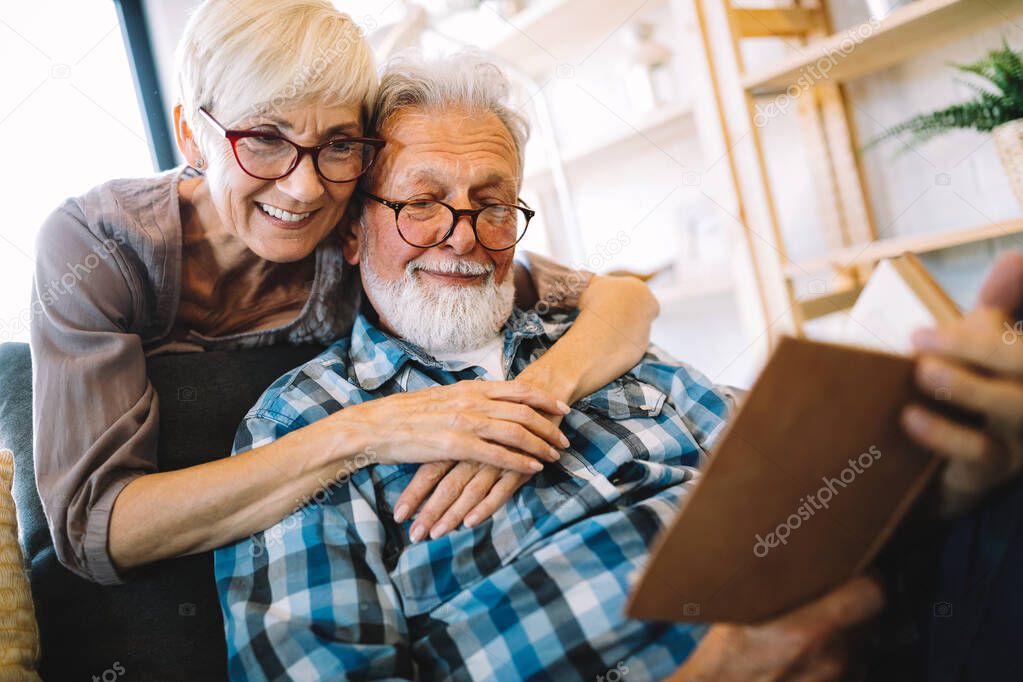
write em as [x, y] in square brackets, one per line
[886, 314]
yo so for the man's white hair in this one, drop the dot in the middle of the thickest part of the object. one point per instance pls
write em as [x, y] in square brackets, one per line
[243, 58]
[464, 81]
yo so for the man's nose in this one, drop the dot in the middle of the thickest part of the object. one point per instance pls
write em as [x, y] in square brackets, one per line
[303, 183]
[463, 239]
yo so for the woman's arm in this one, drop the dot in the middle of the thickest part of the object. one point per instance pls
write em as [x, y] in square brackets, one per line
[199, 508]
[95, 416]
[608, 338]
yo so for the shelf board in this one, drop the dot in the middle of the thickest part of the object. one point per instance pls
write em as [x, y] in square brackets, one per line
[890, 248]
[537, 37]
[906, 32]
[652, 124]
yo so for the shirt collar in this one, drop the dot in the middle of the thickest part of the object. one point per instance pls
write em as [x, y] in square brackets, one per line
[376, 356]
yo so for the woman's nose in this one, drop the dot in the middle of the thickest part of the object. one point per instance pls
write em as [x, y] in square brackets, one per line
[303, 183]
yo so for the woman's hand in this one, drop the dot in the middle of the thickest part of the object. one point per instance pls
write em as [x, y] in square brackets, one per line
[465, 491]
[489, 422]
[975, 364]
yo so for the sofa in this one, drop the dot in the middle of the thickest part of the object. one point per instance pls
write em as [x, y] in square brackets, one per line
[165, 624]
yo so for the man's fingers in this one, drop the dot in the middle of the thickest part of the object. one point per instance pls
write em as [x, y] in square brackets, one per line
[446, 492]
[984, 339]
[424, 480]
[853, 603]
[1003, 287]
[945, 437]
[996, 398]
[475, 491]
[502, 491]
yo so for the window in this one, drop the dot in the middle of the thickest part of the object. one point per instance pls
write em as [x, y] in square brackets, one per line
[69, 120]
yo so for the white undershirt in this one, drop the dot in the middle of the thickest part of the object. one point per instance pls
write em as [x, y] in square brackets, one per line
[489, 356]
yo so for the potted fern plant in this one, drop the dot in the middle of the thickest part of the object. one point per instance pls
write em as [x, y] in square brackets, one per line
[997, 108]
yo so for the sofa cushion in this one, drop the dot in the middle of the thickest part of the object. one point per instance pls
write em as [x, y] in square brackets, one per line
[165, 624]
[19, 634]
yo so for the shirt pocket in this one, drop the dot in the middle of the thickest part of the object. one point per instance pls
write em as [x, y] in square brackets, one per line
[606, 428]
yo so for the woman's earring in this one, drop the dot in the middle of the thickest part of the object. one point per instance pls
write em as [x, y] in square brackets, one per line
[199, 163]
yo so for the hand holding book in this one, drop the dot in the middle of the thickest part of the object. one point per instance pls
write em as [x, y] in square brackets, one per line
[975, 364]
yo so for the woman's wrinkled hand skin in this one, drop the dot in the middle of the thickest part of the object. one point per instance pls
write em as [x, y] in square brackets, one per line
[470, 491]
[975, 364]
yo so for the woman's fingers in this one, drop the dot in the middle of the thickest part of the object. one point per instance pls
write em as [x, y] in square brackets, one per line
[446, 492]
[464, 447]
[499, 494]
[521, 392]
[508, 434]
[528, 418]
[424, 480]
[996, 398]
[472, 494]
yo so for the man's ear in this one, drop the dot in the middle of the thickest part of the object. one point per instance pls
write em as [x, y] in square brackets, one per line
[187, 145]
[350, 241]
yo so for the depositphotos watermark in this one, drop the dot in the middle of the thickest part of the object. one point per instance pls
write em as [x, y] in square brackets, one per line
[48, 293]
[262, 541]
[814, 73]
[811, 504]
[614, 674]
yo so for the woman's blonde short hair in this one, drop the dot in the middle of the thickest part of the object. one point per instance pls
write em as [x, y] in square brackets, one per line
[244, 58]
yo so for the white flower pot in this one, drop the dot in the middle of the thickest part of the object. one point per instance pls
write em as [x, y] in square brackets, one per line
[1009, 142]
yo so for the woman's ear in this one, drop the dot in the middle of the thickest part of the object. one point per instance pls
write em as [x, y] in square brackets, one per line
[187, 144]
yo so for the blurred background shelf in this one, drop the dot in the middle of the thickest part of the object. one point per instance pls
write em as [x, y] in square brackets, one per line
[669, 118]
[907, 31]
[544, 34]
[868, 254]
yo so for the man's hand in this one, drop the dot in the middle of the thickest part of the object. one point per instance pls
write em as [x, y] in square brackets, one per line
[975, 364]
[810, 643]
[464, 491]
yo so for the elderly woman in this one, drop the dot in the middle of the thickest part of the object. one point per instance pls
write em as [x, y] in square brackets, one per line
[241, 248]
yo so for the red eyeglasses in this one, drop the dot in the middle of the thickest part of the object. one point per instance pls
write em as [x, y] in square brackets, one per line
[268, 156]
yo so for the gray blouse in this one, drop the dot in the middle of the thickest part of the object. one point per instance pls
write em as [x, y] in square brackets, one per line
[105, 295]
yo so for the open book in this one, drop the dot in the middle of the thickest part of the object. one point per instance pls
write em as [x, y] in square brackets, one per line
[813, 474]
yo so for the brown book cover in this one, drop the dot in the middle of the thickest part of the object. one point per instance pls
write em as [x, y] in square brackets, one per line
[809, 481]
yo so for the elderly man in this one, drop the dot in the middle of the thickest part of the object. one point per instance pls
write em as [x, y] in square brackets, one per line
[349, 588]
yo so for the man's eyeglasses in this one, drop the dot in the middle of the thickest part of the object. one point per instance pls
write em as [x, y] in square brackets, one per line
[269, 156]
[426, 223]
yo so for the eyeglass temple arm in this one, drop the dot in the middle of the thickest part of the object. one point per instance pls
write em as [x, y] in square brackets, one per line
[209, 117]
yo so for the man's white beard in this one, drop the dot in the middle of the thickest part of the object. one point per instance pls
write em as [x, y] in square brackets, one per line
[437, 317]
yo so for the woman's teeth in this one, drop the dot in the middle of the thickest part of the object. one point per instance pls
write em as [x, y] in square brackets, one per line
[281, 214]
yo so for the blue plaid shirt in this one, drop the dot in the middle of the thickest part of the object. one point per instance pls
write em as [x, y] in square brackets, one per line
[336, 591]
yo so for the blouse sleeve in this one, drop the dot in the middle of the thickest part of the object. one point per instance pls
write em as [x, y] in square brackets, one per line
[94, 411]
[547, 284]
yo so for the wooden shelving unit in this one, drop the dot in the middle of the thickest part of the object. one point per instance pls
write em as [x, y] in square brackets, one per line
[868, 254]
[847, 222]
[908, 31]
